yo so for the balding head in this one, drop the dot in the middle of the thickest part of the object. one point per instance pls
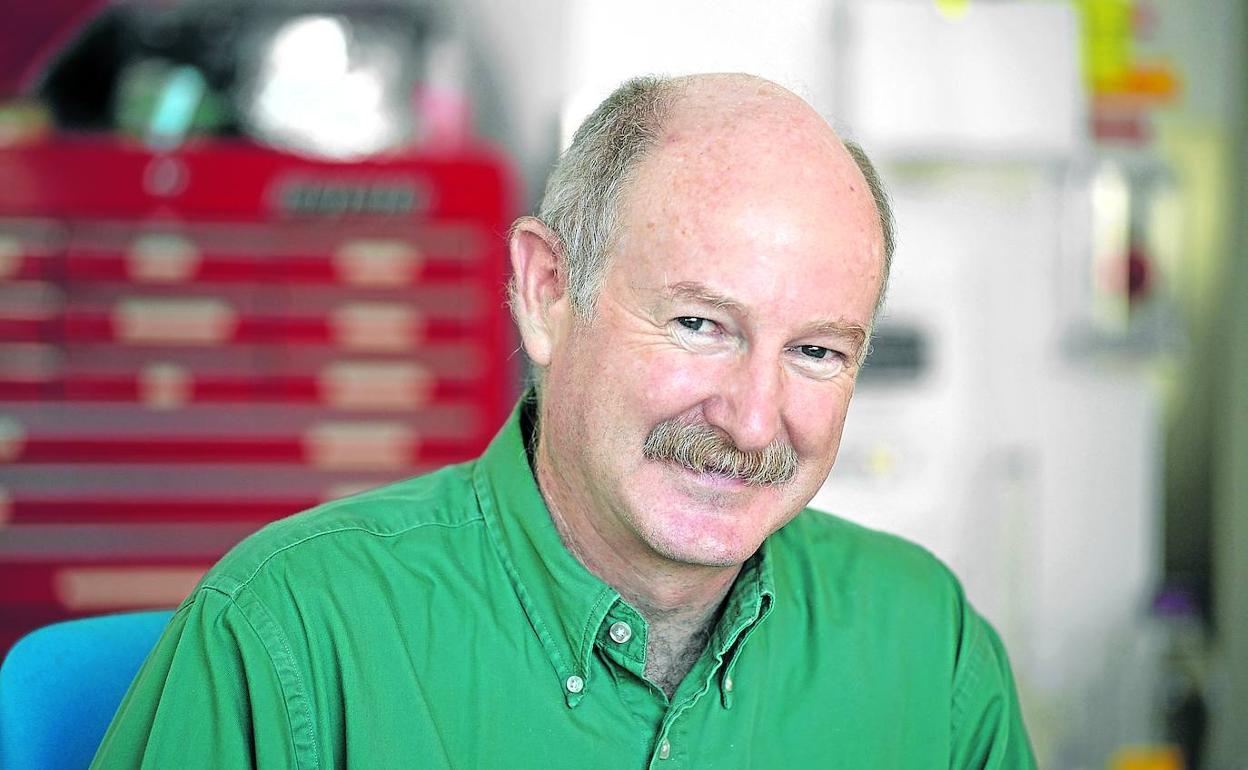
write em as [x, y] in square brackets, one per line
[727, 121]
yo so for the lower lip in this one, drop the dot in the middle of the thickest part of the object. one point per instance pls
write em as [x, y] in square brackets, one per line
[714, 479]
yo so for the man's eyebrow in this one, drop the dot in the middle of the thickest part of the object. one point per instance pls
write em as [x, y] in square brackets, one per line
[856, 333]
[698, 292]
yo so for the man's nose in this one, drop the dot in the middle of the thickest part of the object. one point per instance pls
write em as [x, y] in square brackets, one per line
[749, 402]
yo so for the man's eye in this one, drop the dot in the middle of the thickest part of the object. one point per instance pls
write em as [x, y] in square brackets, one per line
[695, 324]
[819, 361]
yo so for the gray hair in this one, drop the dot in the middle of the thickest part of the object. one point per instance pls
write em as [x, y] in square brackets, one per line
[583, 192]
[883, 209]
[581, 202]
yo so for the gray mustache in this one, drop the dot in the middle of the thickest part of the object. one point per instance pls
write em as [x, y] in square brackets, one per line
[706, 449]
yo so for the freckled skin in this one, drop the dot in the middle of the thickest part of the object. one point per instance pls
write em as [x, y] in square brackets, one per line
[751, 195]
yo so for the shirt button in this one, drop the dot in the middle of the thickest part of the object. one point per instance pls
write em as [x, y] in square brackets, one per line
[665, 749]
[574, 684]
[728, 684]
[620, 632]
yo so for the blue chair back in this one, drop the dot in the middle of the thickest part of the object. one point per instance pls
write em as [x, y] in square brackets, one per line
[61, 684]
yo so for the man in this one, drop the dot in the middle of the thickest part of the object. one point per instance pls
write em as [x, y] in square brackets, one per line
[627, 577]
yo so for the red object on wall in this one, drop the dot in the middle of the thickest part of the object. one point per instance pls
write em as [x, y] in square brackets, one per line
[221, 335]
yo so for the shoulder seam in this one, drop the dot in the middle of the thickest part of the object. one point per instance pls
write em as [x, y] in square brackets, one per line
[264, 642]
[240, 584]
[307, 708]
[971, 666]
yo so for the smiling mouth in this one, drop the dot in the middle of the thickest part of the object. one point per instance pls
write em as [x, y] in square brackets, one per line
[720, 480]
[709, 478]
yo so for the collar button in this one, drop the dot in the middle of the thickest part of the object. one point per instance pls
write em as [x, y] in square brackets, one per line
[620, 632]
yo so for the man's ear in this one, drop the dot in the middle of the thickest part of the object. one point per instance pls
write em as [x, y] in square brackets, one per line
[540, 301]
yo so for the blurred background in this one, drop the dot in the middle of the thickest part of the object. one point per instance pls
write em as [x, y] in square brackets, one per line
[252, 258]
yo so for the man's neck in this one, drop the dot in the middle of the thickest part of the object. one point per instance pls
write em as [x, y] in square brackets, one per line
[681, 603]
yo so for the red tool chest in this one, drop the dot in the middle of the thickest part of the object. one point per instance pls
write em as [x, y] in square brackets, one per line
[195, 343]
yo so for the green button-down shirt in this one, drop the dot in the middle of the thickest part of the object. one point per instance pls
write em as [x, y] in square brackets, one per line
[440, 623]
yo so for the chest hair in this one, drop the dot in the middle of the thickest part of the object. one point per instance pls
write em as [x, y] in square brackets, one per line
[671, 651]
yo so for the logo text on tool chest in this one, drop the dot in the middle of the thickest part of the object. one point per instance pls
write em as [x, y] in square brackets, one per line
[306, 196]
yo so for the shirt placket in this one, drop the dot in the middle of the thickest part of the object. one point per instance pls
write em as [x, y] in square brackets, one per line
[671, 747]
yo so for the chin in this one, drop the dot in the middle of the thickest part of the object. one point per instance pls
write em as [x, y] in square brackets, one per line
[709, 540]
[703, 554]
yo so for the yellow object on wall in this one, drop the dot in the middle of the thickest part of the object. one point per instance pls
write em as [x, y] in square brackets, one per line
[1147, 758]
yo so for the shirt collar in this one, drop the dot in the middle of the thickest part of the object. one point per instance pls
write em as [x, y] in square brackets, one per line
[567, 606]
[565, 603]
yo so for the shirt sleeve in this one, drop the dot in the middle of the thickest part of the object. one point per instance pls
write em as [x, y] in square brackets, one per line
[988, 731]
[211, 695]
